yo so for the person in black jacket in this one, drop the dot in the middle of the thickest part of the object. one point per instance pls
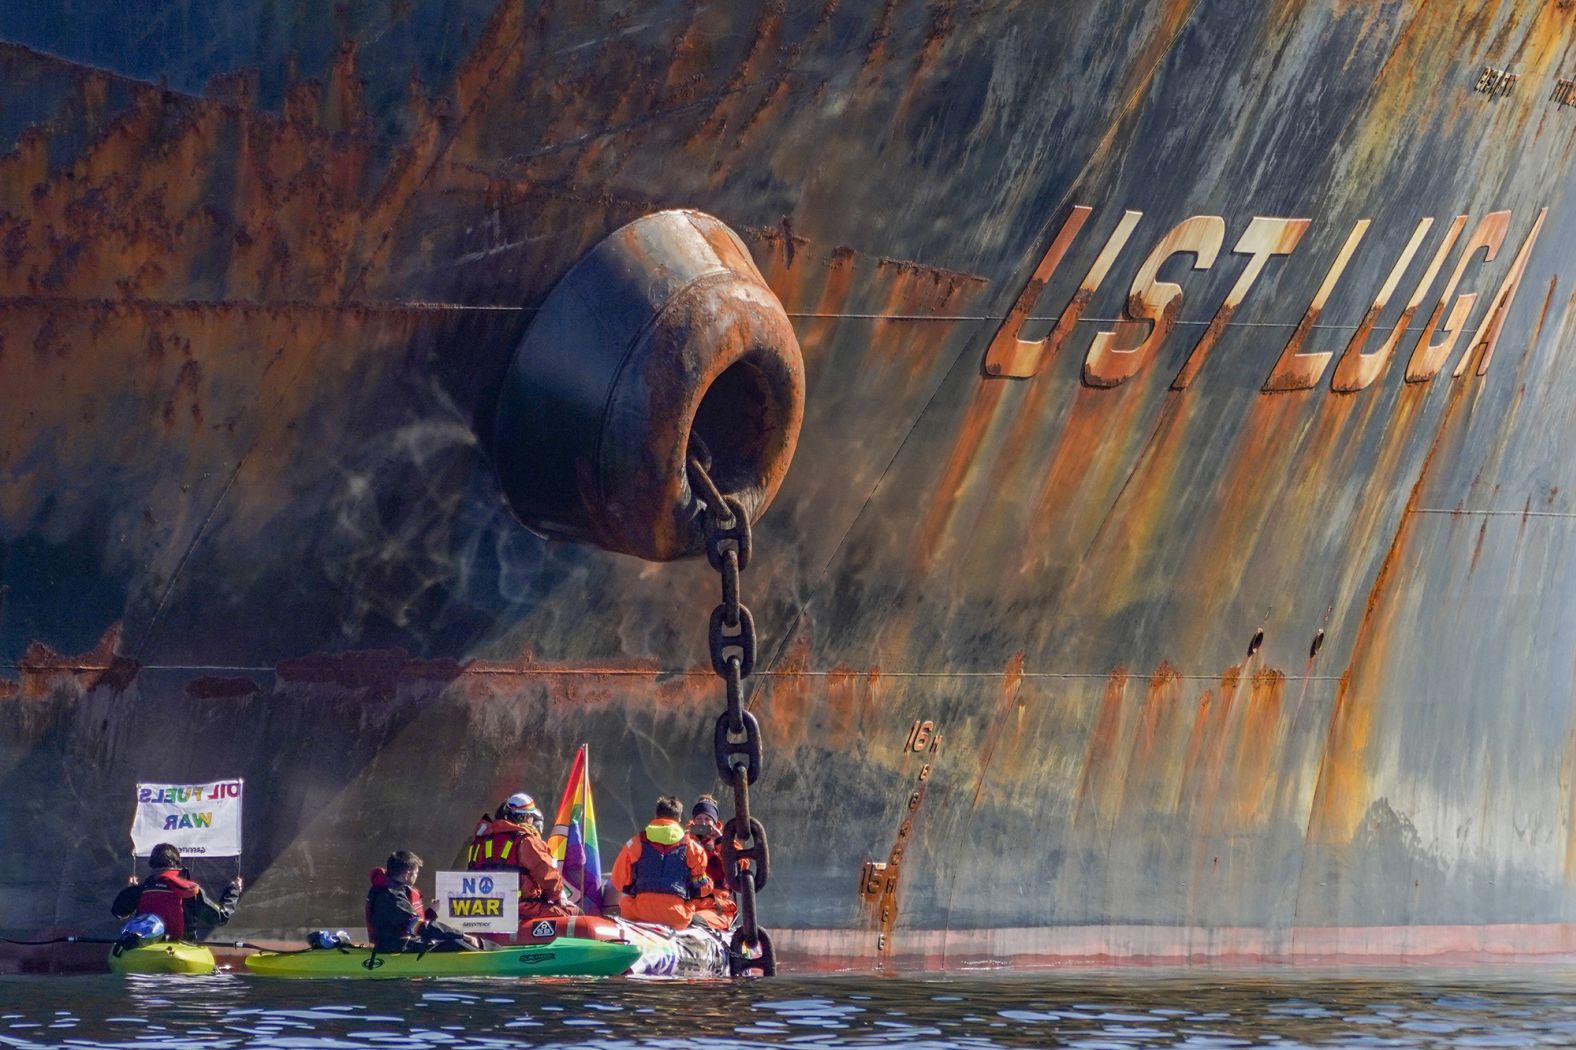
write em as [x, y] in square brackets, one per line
[188, 913]
[396, 919]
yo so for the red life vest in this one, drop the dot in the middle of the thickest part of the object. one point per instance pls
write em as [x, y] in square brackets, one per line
[714, 868]
[165, 894]
[496, 846]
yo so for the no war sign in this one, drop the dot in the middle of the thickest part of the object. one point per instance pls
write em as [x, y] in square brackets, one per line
[200, 820]
[478, 901]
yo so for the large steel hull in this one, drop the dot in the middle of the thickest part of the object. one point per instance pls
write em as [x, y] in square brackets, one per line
[263, 271]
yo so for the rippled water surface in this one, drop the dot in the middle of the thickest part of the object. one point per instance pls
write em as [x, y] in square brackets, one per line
[1064, 1009]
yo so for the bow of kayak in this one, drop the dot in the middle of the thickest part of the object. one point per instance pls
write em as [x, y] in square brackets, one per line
[563, 957]
[162, 957]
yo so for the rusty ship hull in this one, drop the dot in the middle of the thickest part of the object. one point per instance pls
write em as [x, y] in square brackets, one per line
[1176, 557]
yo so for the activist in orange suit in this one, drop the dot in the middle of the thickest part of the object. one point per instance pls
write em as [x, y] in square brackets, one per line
[180, 903]
[662, 871]
[511, 840]
[705, 827]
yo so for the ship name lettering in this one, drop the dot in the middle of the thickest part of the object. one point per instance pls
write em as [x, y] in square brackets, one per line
[1495, 83]
[1150, 314]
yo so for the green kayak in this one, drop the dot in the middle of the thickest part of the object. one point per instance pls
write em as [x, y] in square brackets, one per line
[563, 957]
[162, 957]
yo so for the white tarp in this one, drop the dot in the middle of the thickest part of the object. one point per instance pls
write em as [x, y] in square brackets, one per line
[479, 901]
[200, 820]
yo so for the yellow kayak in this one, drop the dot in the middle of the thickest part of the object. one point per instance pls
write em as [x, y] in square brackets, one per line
[561, 957]
[161, 957]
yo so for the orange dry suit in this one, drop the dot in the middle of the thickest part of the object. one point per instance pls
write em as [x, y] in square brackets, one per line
[718, 910]
[662, 874]
[502, 845]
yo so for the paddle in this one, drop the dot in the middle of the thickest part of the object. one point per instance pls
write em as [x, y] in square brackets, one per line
[74, 939]
[64, 940]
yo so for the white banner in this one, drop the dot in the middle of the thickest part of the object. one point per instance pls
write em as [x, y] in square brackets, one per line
[200, 820]
[479, 901]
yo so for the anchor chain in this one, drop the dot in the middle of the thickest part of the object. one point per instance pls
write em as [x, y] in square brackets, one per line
[736, 741]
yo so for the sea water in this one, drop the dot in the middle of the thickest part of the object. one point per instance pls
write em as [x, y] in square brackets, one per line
[1082, 1009]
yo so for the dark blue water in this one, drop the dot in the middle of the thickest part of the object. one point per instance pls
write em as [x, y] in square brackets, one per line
[1092, 1011]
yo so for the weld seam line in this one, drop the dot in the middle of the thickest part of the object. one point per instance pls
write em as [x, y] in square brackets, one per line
[180, 566]
[397, 304]
[591, 672]
[1495, 513]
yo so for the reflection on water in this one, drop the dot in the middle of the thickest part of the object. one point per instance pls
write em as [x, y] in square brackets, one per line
[1089, 1011]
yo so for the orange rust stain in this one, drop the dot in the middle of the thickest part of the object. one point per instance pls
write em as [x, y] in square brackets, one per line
[1154, 768]
[1000, 719]
[1259, 750]
[1207, 765]
[954, 477]
[916, 288]
[1247, 492]
[1099, 787]
[844, 689]
[814, 333]
[1114, 568]
[751, 68]
[1196, 742]
[774, 249]
[1085, 472]
[1477, 548]
[1543, 316]
[136, 202]
[42, 669]
[792, 697]
[875, 47]
[790, 713]
[941, 20]
[1341, 796]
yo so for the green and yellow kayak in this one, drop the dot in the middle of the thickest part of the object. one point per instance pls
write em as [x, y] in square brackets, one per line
[562, 957]
[162, 957]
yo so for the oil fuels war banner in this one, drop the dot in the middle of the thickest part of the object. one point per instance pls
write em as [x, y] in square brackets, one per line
[200, 820]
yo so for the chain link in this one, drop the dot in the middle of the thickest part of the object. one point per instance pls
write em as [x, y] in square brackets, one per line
[736, 742]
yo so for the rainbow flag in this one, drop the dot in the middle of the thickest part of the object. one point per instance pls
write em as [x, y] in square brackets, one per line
[573, 841]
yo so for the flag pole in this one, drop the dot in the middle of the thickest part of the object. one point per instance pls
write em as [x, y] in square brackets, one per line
[585, 792]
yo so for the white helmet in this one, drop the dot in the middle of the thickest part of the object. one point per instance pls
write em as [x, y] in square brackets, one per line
[521, 808]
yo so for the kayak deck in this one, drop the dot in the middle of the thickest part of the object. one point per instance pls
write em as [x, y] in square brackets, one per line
[162, 957]
[563, 957]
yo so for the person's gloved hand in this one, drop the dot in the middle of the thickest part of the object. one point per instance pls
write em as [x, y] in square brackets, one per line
[431, 915]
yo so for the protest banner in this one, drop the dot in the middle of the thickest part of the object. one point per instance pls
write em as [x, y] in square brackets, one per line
[479, 901]
[200, 820]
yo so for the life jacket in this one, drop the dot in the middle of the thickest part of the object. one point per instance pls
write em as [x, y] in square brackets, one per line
[381, 881]
[714, 866]
[496, 846]
[165, 893]
[661, 869]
